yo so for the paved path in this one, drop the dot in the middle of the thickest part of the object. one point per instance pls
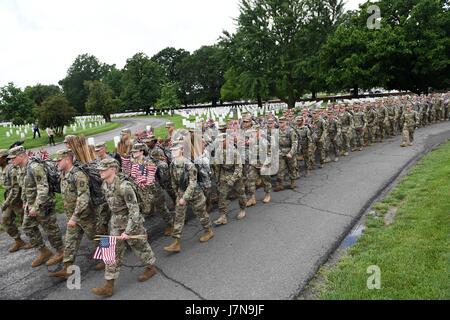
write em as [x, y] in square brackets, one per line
[269, 255]
[132, 123]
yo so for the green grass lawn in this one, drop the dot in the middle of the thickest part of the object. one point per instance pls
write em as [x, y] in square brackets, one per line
[30, 143]
[413, 251]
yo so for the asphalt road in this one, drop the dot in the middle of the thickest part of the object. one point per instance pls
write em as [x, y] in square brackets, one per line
[131, 123]
[269, 255]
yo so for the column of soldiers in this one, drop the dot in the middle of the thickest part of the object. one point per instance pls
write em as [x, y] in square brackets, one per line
[148, 175]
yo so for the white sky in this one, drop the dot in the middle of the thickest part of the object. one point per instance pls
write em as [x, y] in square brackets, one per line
[39, 39]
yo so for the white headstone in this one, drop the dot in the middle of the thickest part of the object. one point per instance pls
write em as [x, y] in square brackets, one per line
[116, 141]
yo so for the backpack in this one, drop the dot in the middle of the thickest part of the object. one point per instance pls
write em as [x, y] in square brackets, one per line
[124, 177]
[203, 176]
[162, 171]
[95, 182]
[51, 170]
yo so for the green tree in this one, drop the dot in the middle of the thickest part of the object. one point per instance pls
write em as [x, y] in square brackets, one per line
[101, 99]
[113, 79]
[40, 92]
[169, 96]
[55, 112]
[15, 105]
[86, 67]
[141, 82]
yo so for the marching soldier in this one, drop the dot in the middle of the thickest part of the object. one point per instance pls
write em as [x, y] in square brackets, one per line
[126, 221]
[12, 206]
[288, 145]
[360, 123]
[306, 145]
[151, 194]
[335, 133]
[39, 208]
[371, 116]
[78, 207]
[228, 173]
[410, 121]
[320, 133]
[183, 175]
[346, 119]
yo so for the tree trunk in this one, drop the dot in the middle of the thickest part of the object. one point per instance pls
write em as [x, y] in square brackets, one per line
[314, 95]
[107, 117]
[355, 91]
[260, 104]
[214, 102]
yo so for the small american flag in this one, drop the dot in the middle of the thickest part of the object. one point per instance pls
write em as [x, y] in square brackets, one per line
[126, 165]
[143, 175]
[106, 250]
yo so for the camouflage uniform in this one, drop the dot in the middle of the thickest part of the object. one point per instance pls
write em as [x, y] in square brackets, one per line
[229, 177]
[12, 206]
[335, 134]
[183, 175]
[255, 164]
[288, 145]
[410, 120]
[78, 207]
[37, 197]
[321, 134]
[372, 120]
[359, 119]
[381, 122]
[125, 218]
[305, 146]
[347, 130]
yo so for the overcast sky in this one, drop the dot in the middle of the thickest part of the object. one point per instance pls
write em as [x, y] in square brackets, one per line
[40, 39]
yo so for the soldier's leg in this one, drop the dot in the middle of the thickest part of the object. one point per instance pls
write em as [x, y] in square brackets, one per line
[51, 228]
[180, 218]
[292, 168]
[31, 228]
[251, 181]
[267, 183]
[405, 137]
[143, 251]
[112, 270]
[240, 191]
[281, 172]
[72, 243]
[411, 135]
[199, 209]
[223, 190]
[9, 223]
[161, 207]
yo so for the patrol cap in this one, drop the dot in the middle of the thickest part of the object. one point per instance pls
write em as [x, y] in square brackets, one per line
[270, 120]
[125, 131]
[61, 154]
[222, 126]
[298, 119]
[282, 119]
[14, 152]
[170, 124]
[100, 145]
[107, 163]
[139, 147]
[177, 145]
[4, 152]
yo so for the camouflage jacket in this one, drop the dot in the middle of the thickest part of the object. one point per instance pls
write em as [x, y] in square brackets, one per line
[225, 169]
[184, 183]
[372, 117]
[288, 141]
[122, 200]
[320, 129]
[35, 189]
[410, 119]
[75, 193]
[359, 120]
[346, 120]
[10, 180]
[334, 127]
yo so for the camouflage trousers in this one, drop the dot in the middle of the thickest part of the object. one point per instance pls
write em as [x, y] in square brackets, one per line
[358, 138]
[446, 113]
[198, 205]
[47, 220]
[390, 126]
[9, 217]
[290, 165]
[408, 135]
[380, 131]
[224, 190]
[253, 173]
[321, 146]
[371, 133]
[102, 217]
[346, 139]
[85, 225]
[141, 249]
[153, 200]
[439, 114]
[308, 152]
[335, 144]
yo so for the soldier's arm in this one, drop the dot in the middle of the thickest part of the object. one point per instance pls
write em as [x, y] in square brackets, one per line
[192, 182]
[294, 142]
[14, 189]
[83, 195]
[42, 188]
[134, 217]
[173, 180]
[237, 174]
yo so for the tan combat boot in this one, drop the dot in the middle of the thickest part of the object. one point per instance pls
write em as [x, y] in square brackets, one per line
[63, 272]
[19, 244]
[293, 184]
[106, 291]
[149, 272]
[279, 186]
[241, 215]
[221, 221]
[44, 255]
[207, 235]
[345, 153]
[57, 258]
[174, 247]
[252, 201]
[266, 199]
[100, 266]
[168, 231]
